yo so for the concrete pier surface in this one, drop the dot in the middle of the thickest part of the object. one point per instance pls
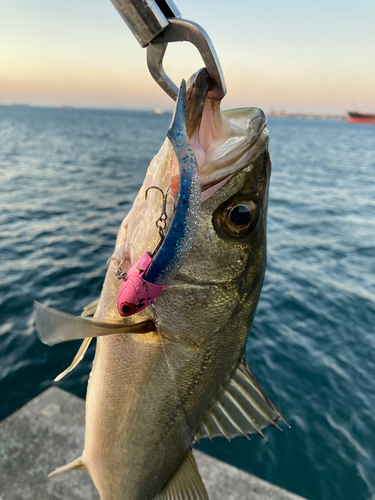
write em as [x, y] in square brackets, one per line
[49, 432]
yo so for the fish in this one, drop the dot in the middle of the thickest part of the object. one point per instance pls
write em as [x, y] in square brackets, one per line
[176, 372]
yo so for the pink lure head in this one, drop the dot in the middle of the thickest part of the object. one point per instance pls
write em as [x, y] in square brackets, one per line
[136, 293]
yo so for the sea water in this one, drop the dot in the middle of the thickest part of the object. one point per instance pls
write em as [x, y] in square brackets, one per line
[67, 179]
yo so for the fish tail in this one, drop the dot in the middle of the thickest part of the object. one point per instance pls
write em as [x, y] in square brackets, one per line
[186, 483]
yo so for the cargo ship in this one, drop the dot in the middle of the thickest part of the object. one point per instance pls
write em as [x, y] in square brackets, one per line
[360, 118]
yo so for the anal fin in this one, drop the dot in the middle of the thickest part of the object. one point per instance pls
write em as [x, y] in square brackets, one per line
[242, 409]
[75, 465]
[185, 484]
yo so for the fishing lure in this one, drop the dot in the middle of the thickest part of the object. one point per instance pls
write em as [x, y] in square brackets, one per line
[153, 272]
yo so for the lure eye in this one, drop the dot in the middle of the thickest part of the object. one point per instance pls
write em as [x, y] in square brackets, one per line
[236, 219]
[128, 309]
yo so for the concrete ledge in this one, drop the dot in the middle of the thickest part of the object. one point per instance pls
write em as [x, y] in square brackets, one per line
[49, 432]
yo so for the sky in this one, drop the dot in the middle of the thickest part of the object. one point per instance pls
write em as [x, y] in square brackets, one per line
[313, 56]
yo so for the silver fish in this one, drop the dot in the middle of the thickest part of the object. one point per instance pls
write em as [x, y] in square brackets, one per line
[151, 395]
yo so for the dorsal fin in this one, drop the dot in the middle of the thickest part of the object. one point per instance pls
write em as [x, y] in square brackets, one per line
[186, 483]
[243, 408]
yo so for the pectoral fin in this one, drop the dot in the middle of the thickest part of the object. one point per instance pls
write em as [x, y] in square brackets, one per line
[186, 483]
[90, 309]
[242, 409]
[55, 326]
[75, 465]
[77, 358]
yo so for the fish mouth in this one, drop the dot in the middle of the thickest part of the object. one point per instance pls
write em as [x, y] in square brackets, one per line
[223, 142]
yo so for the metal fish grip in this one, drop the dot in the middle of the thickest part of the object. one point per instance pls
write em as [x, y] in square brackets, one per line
[181, 30]
[155, 23]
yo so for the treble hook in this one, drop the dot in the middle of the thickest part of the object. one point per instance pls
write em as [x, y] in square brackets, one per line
[165, 196]
[161, 223]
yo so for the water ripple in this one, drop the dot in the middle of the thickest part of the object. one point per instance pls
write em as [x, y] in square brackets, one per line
[69, 176]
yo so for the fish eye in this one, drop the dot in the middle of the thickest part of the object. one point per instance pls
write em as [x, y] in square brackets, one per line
[236, 219]
[240, 216]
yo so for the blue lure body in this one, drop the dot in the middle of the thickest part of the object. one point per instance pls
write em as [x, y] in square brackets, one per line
[183, 228]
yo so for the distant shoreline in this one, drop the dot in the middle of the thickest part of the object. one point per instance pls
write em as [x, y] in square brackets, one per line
[308, 115]
[160, 111]
[149, 110]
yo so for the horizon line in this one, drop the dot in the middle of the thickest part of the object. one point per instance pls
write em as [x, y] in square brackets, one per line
[158, 110]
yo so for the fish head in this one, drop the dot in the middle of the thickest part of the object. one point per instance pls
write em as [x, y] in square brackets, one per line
[221, 279]
[219, 285]
[231, 241]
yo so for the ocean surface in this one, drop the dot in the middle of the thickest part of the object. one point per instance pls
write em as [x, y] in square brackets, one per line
[67, 179]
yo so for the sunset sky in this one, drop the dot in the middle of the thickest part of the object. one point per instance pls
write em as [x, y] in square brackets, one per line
[311, 56]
